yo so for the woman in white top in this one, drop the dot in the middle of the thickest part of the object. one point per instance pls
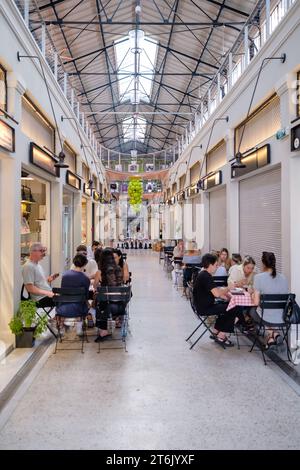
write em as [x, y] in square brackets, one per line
[270, 282]
[242, 275]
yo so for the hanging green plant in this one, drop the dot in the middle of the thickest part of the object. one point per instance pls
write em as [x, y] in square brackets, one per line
[135, 193]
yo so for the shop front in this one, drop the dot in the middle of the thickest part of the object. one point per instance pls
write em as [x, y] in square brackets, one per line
[260, 216]
[216, 158]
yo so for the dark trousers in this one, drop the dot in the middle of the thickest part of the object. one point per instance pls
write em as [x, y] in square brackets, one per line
[105, 309]
[225, 320]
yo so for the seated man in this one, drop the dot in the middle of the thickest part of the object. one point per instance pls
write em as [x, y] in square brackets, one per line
[35, 281]
[205, 292]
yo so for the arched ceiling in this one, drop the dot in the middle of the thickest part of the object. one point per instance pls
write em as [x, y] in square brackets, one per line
[192, 37]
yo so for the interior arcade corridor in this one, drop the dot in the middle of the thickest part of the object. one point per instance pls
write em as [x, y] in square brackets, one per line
[158, 395]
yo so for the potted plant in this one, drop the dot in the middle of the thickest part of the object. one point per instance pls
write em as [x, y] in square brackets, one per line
[27, 324]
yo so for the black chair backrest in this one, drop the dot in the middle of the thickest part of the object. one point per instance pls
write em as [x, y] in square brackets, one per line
[220, 281]
[193, 265]
[274, 301]
[124, 256]
[68, 295]
[22, 296]
[113, 294]
[168, 249]
[178, 259]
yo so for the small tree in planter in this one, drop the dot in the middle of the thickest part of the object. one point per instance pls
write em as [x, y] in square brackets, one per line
[27, 324]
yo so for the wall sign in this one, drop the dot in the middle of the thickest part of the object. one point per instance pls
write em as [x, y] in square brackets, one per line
[73, 180]
[181, 196]
[86, 190]
[192, 191]
[254, 160]
[212, 180]
[44, 160]
[7, 137]
[295, 138]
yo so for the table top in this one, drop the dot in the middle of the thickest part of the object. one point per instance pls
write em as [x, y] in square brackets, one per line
[243, 299]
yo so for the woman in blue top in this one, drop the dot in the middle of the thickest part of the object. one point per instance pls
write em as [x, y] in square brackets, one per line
[75, 278]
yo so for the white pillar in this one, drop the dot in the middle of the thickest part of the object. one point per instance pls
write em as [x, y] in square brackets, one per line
[26, 12]
[55, 65]
[267, 19]
[43, 48]
[65, 83]
[230, 68]
[246, 47]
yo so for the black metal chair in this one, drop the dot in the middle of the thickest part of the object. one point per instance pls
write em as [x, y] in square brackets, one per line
[267, 302]
[203, 322]
[76, 295]
[109, 295]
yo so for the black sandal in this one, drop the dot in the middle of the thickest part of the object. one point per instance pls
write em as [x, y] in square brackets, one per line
[225, 343]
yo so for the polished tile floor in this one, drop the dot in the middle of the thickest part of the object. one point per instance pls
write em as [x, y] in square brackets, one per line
[158, 395]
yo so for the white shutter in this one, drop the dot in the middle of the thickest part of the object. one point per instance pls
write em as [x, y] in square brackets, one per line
[216, 158]
[195, 173]
[217, 219]
[260, 215]
[35, 127]
[260, 126]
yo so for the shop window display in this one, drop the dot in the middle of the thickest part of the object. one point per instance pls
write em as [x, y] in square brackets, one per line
[34, 216]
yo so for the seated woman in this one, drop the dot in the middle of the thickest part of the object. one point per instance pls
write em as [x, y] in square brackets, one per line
[236, 260]
[205, 292]
[269, 282]
[122, 263]
[242, 275]
[74, 278]
[191, 256]
[224, 263]
[109, 275]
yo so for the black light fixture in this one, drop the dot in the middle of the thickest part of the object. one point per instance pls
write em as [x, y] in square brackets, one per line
[61, 160]
[239, 155]
[90, 185]
[238, 161]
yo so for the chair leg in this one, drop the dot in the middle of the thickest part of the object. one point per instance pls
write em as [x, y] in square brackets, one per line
[202, 334]
[194, 331]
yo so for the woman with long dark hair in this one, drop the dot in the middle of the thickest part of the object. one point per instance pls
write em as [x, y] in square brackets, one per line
[110, 275]
[270, 282]
[118, 255]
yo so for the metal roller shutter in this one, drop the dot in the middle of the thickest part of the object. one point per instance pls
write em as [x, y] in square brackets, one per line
[217, 219]
[260, 215]
[216, 158]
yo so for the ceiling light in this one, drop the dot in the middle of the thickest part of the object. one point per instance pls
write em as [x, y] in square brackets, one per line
[26, 176]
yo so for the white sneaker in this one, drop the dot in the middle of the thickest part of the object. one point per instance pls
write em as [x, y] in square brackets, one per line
[62, 332]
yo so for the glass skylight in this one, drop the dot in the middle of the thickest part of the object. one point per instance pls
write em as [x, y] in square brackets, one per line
[134, 128]
[128, 83]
